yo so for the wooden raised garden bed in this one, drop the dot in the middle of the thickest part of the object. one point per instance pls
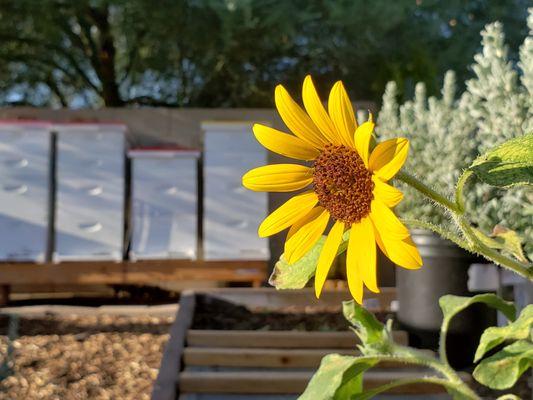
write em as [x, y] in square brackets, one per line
[264, 344]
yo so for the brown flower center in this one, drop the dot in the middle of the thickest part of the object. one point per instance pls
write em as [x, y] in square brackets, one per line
[343, 184]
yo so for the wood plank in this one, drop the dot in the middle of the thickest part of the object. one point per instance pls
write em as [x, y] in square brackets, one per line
[278, 339]
[166, 384]
[140, 272]
[287, 382]
[267, 358]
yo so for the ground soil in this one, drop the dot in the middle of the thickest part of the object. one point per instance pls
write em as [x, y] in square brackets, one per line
[212, 313]
[81, 357]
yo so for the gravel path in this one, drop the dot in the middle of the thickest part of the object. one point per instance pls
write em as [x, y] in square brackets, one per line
[83, 357]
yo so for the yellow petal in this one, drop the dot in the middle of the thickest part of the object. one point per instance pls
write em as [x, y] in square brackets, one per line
[363, 234]
[302, 221]
[318, 113]
[278, 178]
[388, 157]
[305, 238]
[402, 252]
[288, 213]
[329, 251]
[341, 112]
[388, 194]
[296, 119]
[363, 134]
[354, 275]
[284, 144]
[385, 220]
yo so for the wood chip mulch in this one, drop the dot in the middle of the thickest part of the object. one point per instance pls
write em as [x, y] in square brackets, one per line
[82, 357]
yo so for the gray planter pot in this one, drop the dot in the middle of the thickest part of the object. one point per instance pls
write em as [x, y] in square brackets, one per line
[445, 271]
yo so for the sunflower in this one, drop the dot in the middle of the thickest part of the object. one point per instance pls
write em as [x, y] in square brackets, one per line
[347, 184]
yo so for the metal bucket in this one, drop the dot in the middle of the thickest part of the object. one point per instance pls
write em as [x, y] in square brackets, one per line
[445, 271]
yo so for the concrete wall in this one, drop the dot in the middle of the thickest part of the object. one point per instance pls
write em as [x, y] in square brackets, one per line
[160, 126]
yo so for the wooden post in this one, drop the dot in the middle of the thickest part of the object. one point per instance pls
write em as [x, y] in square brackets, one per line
[4, 294]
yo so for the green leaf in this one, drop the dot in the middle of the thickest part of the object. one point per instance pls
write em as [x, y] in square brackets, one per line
[338, 377]
[509, 164]
[452, 305]
[512, 242]
[368, 328]
[517, 330]
[502, 370]
[296, 276]
[503, 239]
[450, 387]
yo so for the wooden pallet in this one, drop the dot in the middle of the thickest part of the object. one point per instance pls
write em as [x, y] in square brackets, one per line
[217, 364]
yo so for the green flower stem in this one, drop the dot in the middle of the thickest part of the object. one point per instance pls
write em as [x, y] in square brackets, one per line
[459, 190]
[428, 192]
[446, 234]
[452, 379]
[467, 394]
[456, 209]
[493, 255]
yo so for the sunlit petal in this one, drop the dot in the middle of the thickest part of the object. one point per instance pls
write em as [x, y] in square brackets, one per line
[388, 194]
[363, 234]
[297, 120]
[307, 235]
[284, 144]
[388, 157]
[329, 251]
[278, 178]
[363, 134]
[318, 113]
[288, 213]
[341, 113]
[353, 273]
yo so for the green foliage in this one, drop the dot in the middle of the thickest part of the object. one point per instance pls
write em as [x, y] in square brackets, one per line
[230, 53]
[374, 337]
[341, 377]
[337, 378]
[296, 276]
[502, 370]
[509, 164]
[521, 329]
[452, 305]
[503, 239]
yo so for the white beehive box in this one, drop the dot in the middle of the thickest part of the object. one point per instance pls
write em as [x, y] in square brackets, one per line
[90, 192]
[232, 214]
[164, 204]
[25, 149]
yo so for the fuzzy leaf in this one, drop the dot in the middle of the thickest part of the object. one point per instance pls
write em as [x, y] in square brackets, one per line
[296, 276]
[509, 164]
[338, 377]
[512, 242]
[503, 239]
[502, 370]
[517, 330]
[452, 305]
[368, 328]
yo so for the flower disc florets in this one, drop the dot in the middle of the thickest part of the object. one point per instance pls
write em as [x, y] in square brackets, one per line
[343, 184]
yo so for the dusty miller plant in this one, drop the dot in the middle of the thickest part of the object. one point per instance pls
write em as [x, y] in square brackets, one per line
[447, 133]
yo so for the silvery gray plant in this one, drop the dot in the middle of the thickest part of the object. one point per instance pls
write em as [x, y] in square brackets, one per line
[449, 132]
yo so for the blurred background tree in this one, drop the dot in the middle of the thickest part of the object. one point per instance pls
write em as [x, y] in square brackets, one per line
[231, 53]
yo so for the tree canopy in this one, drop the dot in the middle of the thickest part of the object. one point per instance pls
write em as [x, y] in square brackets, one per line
[231, 53]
